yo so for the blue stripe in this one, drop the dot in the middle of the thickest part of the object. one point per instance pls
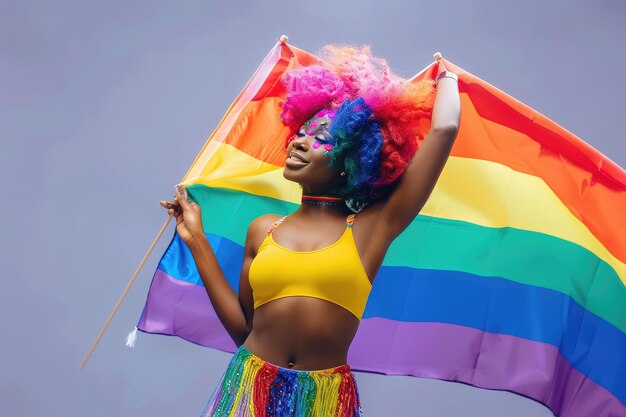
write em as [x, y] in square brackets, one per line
[591, 345]
[178, 262]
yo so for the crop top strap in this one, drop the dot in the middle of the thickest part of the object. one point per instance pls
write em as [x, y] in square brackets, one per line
[350, 220]
[274, 225]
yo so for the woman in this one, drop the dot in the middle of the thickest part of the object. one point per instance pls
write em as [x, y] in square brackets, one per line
[306, 277]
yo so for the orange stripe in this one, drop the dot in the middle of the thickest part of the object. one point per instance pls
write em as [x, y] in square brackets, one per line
[259, 133]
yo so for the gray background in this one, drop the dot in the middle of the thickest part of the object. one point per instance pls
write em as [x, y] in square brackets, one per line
[104, 105]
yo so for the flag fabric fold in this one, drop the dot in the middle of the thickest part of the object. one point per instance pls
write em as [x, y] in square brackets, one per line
[512, 277]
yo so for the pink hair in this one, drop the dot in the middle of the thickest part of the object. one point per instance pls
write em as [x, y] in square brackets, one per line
[403, 109]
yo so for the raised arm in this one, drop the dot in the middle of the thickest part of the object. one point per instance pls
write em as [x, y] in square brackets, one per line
[417, 182]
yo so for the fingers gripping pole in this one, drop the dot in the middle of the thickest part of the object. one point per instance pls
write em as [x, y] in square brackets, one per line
[130, 283]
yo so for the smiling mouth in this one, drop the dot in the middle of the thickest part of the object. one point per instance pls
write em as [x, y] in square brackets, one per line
[295, 157]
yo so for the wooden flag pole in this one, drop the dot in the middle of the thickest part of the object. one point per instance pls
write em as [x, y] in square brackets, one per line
[130, 283]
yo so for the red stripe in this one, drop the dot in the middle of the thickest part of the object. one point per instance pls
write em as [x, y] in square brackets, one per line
[262, 383]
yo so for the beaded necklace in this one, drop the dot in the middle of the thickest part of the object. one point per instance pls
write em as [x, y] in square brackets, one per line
[322, 200]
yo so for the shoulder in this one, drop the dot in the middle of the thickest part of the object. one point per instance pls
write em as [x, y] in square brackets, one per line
[257, 230]
[262, 223]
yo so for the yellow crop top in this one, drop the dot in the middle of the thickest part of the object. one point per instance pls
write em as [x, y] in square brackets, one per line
[334, 273]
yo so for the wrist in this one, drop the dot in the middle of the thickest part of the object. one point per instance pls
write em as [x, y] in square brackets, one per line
[446, 74]
[197, 241]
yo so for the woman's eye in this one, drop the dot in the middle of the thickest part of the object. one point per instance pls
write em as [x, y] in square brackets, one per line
[301, 133]
[322, 138]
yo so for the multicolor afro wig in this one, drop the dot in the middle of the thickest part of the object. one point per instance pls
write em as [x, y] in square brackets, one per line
[380, 118]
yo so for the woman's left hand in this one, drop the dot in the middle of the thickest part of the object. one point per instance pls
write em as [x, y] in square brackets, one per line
[442, 67]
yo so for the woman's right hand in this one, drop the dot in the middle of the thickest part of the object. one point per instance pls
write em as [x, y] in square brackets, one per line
[187, 214]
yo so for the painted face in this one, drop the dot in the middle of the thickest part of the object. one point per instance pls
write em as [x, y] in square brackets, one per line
[308, 153]
[318, 129]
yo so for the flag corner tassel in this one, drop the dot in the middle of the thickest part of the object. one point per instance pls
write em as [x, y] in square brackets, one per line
[131, 338]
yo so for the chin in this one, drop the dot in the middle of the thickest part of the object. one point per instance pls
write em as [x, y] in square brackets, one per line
[289, 175]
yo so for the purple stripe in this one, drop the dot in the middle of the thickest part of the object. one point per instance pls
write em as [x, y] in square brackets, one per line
[428, 350]
[179, 308]
[485, 360]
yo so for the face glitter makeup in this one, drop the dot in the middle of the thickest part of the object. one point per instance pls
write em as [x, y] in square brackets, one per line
[318, 127]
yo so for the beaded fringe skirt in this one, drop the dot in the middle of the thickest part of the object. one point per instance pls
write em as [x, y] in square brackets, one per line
[252, 387]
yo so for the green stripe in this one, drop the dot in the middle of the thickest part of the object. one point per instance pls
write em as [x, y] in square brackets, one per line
[228, 213]
[522, 256]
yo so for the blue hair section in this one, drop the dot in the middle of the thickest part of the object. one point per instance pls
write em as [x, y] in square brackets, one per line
[358, 144]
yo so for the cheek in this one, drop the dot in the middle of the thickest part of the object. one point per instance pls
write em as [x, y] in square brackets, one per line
[323, 170]
[326, 147]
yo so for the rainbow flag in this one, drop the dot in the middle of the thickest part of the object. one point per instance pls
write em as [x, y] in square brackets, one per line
[512, 277]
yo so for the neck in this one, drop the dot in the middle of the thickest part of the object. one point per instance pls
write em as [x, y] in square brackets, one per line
[321, 199]
[321, 204]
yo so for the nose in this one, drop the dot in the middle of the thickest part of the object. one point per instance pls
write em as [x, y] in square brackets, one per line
[301, 142]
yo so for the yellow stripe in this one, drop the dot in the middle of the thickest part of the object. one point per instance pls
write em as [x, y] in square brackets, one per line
[231, 168]
[326, 399]
[469, 190]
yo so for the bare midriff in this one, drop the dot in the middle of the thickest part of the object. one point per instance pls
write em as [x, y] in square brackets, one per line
[303, 333]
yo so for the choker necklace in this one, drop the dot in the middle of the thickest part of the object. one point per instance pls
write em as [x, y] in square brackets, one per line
[322, 200]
